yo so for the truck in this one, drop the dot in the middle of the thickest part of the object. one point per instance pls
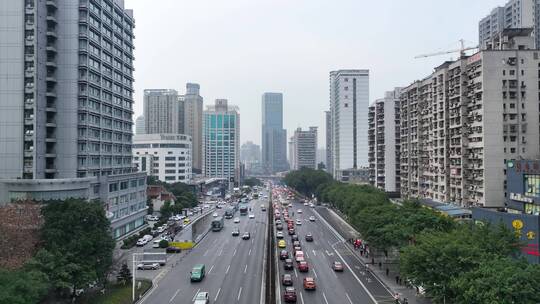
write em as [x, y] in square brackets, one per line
[217, 224]
[229, 213]
[243, 210]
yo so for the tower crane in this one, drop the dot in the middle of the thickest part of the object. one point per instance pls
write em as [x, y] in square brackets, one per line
[461, 51]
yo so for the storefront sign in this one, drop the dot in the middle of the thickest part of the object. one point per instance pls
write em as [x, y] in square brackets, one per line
[520, 198]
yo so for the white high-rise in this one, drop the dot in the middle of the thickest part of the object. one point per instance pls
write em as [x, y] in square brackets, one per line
[193, 112]
[349, 102]
[163, 112]
[304, 149]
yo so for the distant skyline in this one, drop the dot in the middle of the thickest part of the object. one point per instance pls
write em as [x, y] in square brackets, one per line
[232, 53]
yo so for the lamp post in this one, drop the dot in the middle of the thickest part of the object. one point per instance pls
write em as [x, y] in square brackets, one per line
[135, 254]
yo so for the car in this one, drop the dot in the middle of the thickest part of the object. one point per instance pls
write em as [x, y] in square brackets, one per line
[297, 248]
[279, 227]
[236, 220]
[283, 255]
[286, 280]
[294, 237]
[337, 266]
[282, 244]
[309, 237]
[187, 220]
[303, 266]
[298, 222]
[299, 211]
[296, 243]
[246, 236]
[279, 235]
[189, 213]
[215, 214]
[312, 218]
[172, 249]
[155, 244]
[288, 264]
[202, 298]
[278, 222]
[311, 205]
[251, 216]
[292, 232]
[141, 242]
[236, 232]
[309, 283]
[148, 266]
[306, 203]
[161, 229]
[289, 296]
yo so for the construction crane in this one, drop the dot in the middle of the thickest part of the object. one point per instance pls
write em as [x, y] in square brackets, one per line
[461, 51]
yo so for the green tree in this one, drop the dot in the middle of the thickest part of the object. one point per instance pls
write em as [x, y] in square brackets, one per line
[22, 286]
[252, 181]
[163, 244]
[77, 244]
[124, 276]
[499, 280]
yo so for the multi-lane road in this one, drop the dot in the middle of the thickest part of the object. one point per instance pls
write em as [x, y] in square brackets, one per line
[233, 266]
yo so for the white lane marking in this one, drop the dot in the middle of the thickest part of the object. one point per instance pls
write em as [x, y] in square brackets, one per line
[211, 269]
[349, 298]
[205, 253]
[217, 295]
[252, 240]
[249, 253]
[177, 291]
[295, 273]
[228, 267]
[307, 256]
[239, 294]
[356, 277]
[329, 253]
[220, 252]
[329, 243]
[324, 297]
[245, 269]
[314, 252]
[301, 298]
[234, 253]
[315, 273]
[196, 293]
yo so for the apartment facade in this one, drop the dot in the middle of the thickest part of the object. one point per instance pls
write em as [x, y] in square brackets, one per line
[165, 156]
[193, 113]
[139, 125]
[349, 102]
[163, 111]
[304, 149]
[274, 137]
[462, 123]
[221, 137]
[66, 112]
[514, 14]
[384, 142]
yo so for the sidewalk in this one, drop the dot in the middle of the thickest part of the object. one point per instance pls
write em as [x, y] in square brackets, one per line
[347, 232]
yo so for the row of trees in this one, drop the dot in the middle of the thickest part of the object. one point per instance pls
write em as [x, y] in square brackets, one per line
[185, 198]
[76, 251]
[456, 263]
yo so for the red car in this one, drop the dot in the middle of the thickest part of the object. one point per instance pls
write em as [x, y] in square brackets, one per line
[303, 266]
[337, 266]
[289, 295]
[309, 283]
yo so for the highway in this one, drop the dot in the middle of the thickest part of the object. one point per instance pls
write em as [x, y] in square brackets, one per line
[353, 285]
[233, 266]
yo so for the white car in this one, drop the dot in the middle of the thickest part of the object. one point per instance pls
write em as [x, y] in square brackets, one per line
[305, 204]
[279, 234]
[160, 229]
[215, 214]
[298, 222]
[202, 298]
[151, 266]
[236, 220]
[299, 210]
[252, 216]
[312, 205]
[312, 218]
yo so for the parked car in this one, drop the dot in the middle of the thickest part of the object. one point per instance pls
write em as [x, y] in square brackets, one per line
[149, 266]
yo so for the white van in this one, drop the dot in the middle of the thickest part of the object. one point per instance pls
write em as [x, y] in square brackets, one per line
[155, 244]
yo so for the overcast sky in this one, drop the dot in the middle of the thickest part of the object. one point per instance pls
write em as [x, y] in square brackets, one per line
[239, 49]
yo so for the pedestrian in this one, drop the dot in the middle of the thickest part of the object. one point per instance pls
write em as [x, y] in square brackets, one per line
[397, 279]
[380, 265]
[387, 271]
[362, 252]
[373, 261]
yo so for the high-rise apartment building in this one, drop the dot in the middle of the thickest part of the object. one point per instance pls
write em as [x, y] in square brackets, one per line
[193, 112]
[514, 14]
[139, 125]
[274, 137]
[349, 102]
[221, 137]
[328, 120]
[461, 124]
[304, 149]
[66, 106]
[384, 142]
[165, 156]
[250, 156]
[163, 112]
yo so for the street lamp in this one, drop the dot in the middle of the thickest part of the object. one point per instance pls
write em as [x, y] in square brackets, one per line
[134, 274]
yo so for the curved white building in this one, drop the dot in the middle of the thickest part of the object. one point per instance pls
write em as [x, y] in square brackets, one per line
[165, 156]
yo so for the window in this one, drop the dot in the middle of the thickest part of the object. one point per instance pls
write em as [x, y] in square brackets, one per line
[169, 165]
[170, 158]
[113, 187]
[170, 171]
[532, 184]
[123, 185]
[170, 178]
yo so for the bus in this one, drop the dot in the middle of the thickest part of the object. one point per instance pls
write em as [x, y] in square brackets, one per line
[243, 210]
[217, 224]
[229, 213]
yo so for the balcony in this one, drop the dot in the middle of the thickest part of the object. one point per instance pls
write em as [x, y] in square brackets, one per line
[29, 9]
[51, 48]
[52, 19]
[52, 4]
[50, 138]
[51, 123]
[51, 33]
[50, 63]
[50, 93]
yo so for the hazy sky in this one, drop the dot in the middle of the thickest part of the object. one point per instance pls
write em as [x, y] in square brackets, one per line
[238, 49]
